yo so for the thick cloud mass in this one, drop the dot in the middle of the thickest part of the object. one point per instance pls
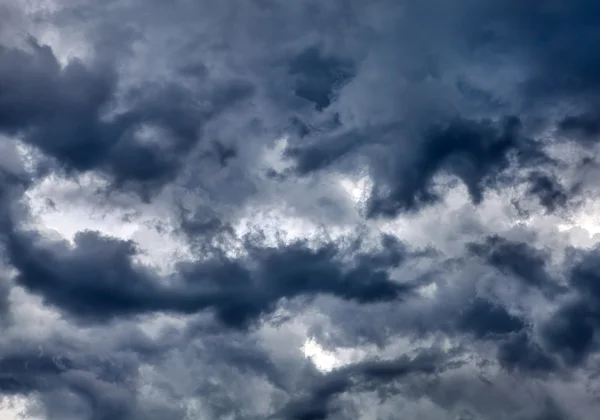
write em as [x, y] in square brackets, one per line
[299, 209]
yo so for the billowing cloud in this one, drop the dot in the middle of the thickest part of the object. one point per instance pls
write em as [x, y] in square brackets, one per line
[299, 210]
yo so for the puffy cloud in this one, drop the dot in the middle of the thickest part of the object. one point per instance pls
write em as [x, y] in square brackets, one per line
[193, 193]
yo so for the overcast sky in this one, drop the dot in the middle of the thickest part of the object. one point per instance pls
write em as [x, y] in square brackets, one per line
[299, 210]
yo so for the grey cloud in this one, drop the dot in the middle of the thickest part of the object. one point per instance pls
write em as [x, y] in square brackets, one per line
[484, 319]
[62, 111]
[182, 102]
[318, 76]
[364, 375]
[552, 195]
[520, 260]
[97, 279]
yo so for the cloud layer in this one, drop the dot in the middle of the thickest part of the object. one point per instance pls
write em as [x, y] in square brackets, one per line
[193, 195]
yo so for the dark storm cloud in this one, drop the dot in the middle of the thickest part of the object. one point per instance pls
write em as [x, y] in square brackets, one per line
[552, 195]
[517, 259]
[477, 152]
[318, 76]
[584, 127]
[11, 189]
[483, 318]
[560, 35]
[97, 279]
[101, 376]
[367, 375]
[523, 354]
[25, 373]
[573, 329]
[63, 111]
[38, 371]
[189, 97]
[45, 369]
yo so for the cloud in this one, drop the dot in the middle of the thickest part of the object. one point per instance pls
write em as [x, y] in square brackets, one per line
[519, 260]
[552, 195]
[97, 278]
[319, 76]
[63, 112]
[191, 192]
[373, 374]
[482, 318]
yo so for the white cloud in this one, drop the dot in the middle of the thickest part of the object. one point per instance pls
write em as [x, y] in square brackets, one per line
[16, 408]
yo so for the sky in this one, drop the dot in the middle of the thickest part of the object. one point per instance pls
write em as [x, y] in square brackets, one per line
[299, 210]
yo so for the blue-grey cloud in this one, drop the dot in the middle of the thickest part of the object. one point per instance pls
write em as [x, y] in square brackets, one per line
[386, 179]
